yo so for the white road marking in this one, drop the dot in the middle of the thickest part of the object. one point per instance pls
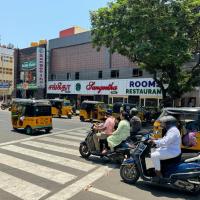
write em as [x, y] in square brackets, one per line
[20, 188]
[50, 158]
[70, 137]
[52, 147]
[76, 134]
[58, 141]
[79, 185]
[34, 137]
[107, 194]
[39, 170]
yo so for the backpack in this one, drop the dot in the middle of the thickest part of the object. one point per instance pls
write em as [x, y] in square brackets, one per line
[189, 139]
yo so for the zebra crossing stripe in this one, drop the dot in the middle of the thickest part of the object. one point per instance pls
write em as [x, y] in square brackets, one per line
[70, 137]
[78, 186]
[82, 133]
[59, 141]
[50, 158]
[39, 170]
[20, 188]
[52, 147]
[107, 194]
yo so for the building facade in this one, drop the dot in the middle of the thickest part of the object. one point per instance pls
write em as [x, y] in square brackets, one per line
[30, 72]
[78, 71]
[6, 72]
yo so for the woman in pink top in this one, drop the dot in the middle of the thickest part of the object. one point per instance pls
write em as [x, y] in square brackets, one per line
[105, 130]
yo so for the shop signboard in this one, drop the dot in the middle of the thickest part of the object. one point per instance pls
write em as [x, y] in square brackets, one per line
[40, 67]
[59, 87]
[96, 87]
[4, 85]
[137, 87]
[142, 86]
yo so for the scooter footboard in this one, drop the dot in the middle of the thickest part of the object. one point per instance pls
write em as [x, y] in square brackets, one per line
[128, 161]
[184, 176]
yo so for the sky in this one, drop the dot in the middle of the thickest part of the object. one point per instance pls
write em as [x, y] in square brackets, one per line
[26, 21]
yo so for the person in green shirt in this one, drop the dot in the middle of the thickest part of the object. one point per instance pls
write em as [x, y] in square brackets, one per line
[121, 134]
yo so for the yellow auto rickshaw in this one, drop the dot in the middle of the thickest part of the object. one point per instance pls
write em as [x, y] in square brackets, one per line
[188, 122]
[61, 107]
[92, 111]
[31, 115]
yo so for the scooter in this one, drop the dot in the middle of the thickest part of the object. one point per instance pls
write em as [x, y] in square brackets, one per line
[87, 148]
[184, 175]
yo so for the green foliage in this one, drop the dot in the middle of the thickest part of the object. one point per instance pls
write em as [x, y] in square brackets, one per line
[160, 35]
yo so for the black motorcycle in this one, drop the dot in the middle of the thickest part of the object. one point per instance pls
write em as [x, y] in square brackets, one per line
[5, 106]
[87, 148]
[180, 174]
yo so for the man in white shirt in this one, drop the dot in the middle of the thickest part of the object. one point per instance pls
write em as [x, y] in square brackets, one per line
[169, 146]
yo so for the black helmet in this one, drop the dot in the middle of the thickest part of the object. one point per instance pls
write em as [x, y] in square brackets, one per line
[108, 112]
[168, 121]
[133, 111]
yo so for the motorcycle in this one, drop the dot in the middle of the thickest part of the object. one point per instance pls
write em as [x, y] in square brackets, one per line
[5, 106]
[87, 148]
[178, 173]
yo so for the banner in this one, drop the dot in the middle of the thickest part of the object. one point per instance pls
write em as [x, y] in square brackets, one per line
[40, 67]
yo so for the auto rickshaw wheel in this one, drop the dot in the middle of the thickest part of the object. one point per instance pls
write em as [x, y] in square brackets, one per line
[69, 116]
[82, 118]
[29, 130]
[47, 130]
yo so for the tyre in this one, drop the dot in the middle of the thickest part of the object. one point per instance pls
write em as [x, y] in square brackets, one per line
[84, 151]
[129, 173]
[29, 130]
[69, 116]
[3, 107]
[47, 130]
[82, 118]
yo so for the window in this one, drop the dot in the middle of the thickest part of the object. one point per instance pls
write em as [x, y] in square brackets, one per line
[100, 75]
[137, 72]
[76, 75]
[68, 76]
[114, 74]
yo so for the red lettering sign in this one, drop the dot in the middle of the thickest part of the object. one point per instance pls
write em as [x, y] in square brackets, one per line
[60, 86]
[92, 86]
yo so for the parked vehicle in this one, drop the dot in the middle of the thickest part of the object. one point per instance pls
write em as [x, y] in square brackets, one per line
[87, 148]
[176, 173]
[5, 106]
[31, 115]
[92, 111]
[61, 107]
[188, 123]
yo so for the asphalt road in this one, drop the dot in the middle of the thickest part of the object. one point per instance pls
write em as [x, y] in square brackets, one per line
[49, 167]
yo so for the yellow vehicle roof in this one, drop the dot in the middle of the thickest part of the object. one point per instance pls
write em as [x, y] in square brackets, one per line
[32, 102]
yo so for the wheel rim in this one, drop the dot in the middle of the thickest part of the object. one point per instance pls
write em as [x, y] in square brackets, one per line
[84, 149]
[130, 172]
[28, 130]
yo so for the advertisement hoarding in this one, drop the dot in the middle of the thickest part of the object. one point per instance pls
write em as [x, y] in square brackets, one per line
[142, 87]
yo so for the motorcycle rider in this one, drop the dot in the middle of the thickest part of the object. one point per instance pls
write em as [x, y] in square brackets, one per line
[135, 122]
[104, 130]
[121, 134]
[167, 147]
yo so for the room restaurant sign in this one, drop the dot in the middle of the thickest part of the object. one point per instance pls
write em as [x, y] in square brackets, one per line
[143, 87]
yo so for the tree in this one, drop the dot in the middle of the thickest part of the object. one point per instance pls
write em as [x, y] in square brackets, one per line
[161, 35]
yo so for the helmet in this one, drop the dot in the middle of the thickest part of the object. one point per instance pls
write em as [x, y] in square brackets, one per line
[168, 121]
[133, 111]
[108, 112]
